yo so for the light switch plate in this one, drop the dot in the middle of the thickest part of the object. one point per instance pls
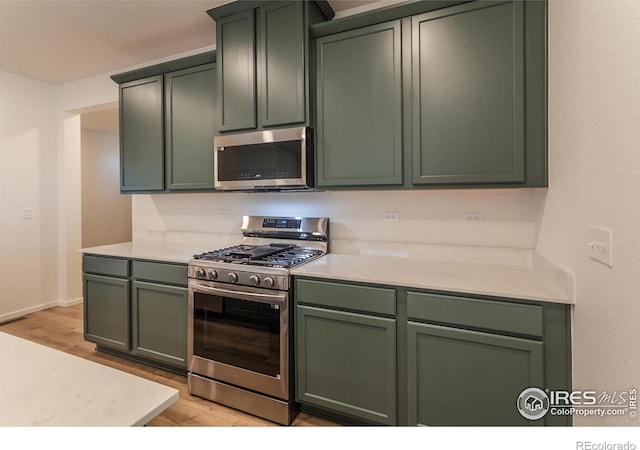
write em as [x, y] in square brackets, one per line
[601, 245]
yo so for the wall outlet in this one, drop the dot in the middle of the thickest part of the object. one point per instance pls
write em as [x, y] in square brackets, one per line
[180, 212]
[473, 217]
[223, 212]
[26, 213]
[390, 217]
[601, 245]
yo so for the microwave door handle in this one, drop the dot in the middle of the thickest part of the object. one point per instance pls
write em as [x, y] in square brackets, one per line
[252, 296]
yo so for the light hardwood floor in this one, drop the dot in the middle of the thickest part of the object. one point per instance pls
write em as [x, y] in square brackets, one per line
[61, 328]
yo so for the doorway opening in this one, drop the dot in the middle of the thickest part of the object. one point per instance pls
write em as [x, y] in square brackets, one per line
[106, 214]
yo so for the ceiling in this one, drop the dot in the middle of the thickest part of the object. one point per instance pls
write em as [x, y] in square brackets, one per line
[61, 41]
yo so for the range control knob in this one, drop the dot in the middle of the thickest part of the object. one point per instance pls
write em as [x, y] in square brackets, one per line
[212, 275]
[254, 280]
[233, 277]
[269, 282]
[200, 273]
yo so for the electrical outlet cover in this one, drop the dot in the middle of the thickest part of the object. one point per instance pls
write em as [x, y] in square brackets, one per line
[601, 245]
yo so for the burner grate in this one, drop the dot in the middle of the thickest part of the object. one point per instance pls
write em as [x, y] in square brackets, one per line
[273, 255]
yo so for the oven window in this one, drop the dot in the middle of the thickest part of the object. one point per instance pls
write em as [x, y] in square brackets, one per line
[240, 333]
[269, 161]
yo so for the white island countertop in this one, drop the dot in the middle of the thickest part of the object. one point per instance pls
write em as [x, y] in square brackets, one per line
[517, 282]
[41, 386]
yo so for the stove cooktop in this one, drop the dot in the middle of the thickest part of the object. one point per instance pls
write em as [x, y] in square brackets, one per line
[272, 255]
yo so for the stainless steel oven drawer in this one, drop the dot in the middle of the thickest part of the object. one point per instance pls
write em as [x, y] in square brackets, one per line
[252, 402]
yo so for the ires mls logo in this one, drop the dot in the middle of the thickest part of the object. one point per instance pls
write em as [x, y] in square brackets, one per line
[534, 403]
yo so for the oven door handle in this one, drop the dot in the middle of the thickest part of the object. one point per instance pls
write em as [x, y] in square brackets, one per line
[241, 295]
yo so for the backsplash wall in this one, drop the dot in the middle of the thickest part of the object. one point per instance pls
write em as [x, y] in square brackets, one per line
[426, 217]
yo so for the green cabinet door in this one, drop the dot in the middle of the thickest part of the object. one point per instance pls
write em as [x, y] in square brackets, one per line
[281, 78]
[236, 53]
[106, 311]
[346, 363]
[190, 97]
[142, 135]
[468, 378]
[468, 94]
[159, 322]
[359, 107]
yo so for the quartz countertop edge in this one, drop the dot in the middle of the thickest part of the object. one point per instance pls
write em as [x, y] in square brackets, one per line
[493, 280]
[42, 386]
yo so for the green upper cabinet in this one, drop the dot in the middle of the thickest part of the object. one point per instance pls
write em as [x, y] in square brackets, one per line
[468, 85]
[190, 124]
[235, 44]
[359, 107]
[281, 79]
[433, 95]
[142, 135]
[167, 124]
[263, 57]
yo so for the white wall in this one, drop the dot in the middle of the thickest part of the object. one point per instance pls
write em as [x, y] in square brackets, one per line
[426, 216]
[106, 214]
[594, 93]
[28, 174]
[72, 99]
[40, 169]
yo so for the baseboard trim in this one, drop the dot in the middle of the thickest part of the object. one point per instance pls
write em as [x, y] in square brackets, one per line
[23, 312]
[71, 302]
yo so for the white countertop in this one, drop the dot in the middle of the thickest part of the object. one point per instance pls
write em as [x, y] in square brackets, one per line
[41, 386]
[519, 282]
[511, 281]
[159, 251]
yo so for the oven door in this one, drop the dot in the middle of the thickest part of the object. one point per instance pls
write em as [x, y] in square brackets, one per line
[239, 335]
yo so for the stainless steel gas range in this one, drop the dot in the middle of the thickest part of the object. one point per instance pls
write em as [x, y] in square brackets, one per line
[240, 315]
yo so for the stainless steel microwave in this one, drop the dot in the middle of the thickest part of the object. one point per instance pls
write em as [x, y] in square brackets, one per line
[264, 160]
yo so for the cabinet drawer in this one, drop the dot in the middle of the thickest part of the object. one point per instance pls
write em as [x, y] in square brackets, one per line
[485, 314]
[116, 267]
[347, 296]
[160, 272]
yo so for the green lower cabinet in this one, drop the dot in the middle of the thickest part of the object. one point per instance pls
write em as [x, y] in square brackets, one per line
[346, 363]
[397, 356]
[106, 311]
[463, 378]
[159, 322]
[137, 309]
